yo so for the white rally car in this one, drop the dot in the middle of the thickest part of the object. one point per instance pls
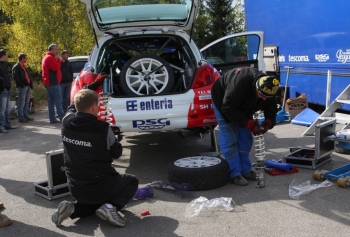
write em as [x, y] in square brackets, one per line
[159, 79]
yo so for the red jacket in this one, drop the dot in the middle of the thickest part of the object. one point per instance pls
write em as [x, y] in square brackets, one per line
[51, 70]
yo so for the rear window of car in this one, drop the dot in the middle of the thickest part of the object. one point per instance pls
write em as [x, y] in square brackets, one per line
[77, 66]
[119, 11]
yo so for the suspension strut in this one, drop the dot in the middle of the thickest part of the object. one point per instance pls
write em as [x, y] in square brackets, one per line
[104, 103]
[260, 159]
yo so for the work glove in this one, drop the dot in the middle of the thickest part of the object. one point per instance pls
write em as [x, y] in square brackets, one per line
[266, 124]
[98, 82]
[253, 126]
[100, 78]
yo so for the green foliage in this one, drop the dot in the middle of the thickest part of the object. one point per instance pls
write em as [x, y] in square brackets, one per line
[39, 23]
[219, 12]
[200, 30]
[39, 94]
[217, 19]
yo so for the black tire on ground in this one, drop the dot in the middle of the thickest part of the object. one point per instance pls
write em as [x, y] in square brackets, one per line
[161, 79]
[342, 150]
[202, 178]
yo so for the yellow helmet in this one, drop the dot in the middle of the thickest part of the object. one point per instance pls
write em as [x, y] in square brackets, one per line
[267, 86]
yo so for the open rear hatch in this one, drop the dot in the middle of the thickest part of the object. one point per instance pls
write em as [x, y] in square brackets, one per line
[120, 15]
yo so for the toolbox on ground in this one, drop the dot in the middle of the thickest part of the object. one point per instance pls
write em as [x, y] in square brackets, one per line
[314, 157]
[56, 185]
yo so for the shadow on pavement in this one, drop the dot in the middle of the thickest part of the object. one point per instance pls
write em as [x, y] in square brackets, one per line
[20, 229]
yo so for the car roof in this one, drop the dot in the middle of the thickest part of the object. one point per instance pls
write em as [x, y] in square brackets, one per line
[78, 58]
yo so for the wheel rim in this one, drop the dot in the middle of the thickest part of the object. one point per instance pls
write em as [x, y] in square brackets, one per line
[147, 76]
[197, 162]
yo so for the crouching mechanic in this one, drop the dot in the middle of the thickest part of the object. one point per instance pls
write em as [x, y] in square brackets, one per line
[236, 96]
[89, 147]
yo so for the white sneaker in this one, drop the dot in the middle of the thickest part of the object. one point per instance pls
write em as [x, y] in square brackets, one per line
[63, 212]
[109, 213]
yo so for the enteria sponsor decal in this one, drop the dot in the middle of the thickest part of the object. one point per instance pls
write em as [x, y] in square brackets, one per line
[134, 105]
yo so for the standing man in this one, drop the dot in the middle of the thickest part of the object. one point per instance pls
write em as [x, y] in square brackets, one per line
[236, 96]
[5, 124]
[23, 84]
[67, 78]
[51, 76]
[89, 149]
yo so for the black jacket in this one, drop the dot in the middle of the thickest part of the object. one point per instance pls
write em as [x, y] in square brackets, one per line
[88, 156]
[20, 77]
[67, 72]
[234, 94]
[2, 85]
[4, 74]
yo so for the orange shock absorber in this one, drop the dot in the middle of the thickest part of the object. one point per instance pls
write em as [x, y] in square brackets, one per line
[104, 103]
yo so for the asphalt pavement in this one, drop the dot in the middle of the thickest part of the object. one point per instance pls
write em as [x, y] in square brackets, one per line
[268, 211]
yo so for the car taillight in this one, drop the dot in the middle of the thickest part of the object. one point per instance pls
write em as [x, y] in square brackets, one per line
[204, 76]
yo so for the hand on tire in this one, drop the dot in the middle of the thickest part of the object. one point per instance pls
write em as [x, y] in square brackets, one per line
[253, 126]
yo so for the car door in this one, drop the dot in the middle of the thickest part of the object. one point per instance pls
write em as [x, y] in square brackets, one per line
[236, 50]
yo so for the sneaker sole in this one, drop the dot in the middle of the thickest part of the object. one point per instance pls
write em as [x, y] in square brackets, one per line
[59, 215]
[102, 215]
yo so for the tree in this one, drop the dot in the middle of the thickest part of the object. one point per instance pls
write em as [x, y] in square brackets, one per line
[4, 28]
[217, 19]
[200, 29]
[39, 23]
[219, 12]
[237, 18]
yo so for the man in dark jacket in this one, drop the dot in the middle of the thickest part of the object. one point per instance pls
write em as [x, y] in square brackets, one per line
[236, 96]
[51, 77]
[89, 147]
[67, 78]
[23, 84]
[5, 124]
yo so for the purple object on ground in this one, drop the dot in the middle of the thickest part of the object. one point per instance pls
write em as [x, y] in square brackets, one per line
[142, 193]
[184, 189]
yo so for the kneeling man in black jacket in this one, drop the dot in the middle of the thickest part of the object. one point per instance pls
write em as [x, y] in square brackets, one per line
[89, 149]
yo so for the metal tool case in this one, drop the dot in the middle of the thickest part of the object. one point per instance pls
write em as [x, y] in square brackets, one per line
[56, 186]
[314, 157]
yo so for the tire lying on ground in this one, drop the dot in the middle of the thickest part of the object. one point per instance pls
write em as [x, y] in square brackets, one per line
[203, 172]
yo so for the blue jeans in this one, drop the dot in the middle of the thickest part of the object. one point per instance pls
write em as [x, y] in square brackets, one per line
[65, 91]
[235, 144]
[54, 98]
[23, 102]
[5, 109]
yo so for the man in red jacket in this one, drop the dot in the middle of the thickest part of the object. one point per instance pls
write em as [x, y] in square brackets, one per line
[51, 77]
